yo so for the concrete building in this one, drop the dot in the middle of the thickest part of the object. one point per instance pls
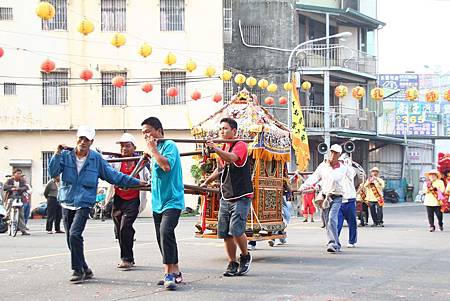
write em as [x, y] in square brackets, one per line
[261, 37]
[41, 110]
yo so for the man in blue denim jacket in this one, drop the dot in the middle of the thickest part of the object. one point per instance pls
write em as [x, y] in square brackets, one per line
[80, 170]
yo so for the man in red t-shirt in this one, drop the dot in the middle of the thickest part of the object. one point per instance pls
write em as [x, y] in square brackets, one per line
[127, 203]
[236, 191]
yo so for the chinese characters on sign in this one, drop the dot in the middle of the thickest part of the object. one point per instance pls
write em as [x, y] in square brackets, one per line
[418, 122]
[398, 82]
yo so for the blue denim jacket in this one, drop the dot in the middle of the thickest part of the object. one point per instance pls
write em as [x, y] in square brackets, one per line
[80, 190]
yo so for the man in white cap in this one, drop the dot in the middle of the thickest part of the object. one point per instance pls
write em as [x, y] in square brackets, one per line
[127, 204]
[374, 191]
[79, 170]
[332, 175]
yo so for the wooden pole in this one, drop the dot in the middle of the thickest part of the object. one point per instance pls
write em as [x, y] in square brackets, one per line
[204, 140]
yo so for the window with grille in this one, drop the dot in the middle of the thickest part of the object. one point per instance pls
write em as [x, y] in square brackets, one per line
[6, 13]
[114, 15]
[59, 21]
[227, 90]
[173, 79]
[46, 156]
[252, 34]
[111, 95]
[171, 15]
[55, 87]
[9, 89]
[227, 21]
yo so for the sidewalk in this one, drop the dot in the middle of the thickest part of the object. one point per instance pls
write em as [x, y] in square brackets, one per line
[402, 204]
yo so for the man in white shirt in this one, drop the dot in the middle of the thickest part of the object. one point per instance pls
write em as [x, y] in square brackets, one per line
[348, 207]
[331, 173]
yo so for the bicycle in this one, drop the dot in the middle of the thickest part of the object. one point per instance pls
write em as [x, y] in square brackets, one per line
[97, 212]
[16, 204]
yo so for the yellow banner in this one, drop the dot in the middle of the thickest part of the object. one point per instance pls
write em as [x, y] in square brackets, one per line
[298, 131]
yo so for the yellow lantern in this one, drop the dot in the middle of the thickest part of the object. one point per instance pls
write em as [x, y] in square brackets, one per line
[341, 91]
[272, 88]
[358, 92]
[145, 50]
[170, 59]
[210, 71]
[226, 75]
[191, 66]
[287, 86]
[377, 93]
[118, 40]
[431, 95]
[306, 85]
[239, 79]
[263, 83]
[411, 94]
[86, 27]
[251, 82]
[447, 95]
[45, 11]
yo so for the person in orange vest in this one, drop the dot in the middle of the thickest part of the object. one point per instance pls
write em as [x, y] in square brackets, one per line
[374, 186]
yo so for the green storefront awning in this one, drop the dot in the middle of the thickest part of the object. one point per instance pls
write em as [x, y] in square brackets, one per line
[345, 16]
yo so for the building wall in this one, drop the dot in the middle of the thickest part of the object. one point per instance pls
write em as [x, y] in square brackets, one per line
[30, 145]
[280, 32]
[327, 3]
[70, 49]
[27, 127]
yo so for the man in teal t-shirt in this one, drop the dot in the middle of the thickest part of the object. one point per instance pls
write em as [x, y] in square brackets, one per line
[167, 196]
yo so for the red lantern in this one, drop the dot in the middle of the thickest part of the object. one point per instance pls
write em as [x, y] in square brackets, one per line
[269, 101]
[47, 66]
[147, 87]
[172, 91]
[86, 74]
[282, 100]
[2, 52]
[217, 97]
[196, 95]
[118, 81]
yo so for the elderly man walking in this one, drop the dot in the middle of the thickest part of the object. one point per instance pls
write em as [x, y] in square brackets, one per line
[127, 203]
[80, 170]
[331, 173]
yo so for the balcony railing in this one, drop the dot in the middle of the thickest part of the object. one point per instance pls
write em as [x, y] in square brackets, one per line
[340, 118]
[314, 56]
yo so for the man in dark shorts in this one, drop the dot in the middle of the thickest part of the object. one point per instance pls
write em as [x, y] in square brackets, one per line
[236, 195]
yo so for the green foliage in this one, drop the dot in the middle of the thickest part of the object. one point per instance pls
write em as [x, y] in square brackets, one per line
[196, 172]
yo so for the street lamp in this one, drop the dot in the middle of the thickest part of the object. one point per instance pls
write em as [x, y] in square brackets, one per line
[291, 55]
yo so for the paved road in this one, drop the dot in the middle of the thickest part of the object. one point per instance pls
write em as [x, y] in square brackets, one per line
[402, 261]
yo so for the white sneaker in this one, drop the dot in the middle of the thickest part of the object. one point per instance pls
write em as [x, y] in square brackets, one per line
[351, 245]
[251, 247]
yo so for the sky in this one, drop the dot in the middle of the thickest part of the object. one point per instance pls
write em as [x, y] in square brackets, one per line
[416, 34]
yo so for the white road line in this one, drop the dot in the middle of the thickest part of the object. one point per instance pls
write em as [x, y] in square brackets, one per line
[86, 251]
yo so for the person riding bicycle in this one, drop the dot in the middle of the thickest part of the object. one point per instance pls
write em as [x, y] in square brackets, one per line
[14, 188]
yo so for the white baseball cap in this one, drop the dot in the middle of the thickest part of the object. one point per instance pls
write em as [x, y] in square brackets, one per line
[126, 137]
[86, 131]
[336, 148]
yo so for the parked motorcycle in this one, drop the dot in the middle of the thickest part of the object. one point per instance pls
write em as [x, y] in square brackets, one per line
[390, 195]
